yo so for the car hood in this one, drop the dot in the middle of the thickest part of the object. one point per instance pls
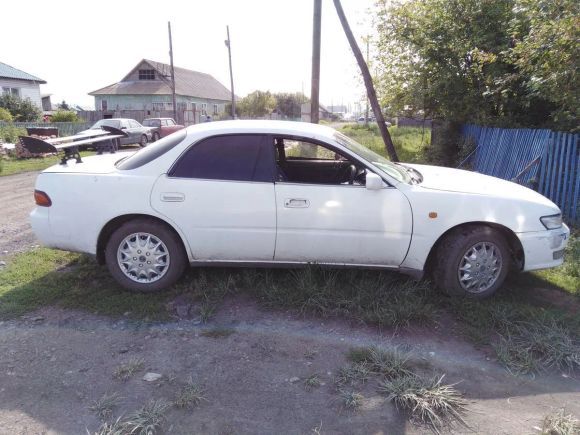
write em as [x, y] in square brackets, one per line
[456, 180]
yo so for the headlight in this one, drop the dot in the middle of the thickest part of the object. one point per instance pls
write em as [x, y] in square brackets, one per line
[552, 222]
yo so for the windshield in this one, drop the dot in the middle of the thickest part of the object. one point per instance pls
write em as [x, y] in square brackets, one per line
[397, 172]
[108, 122]
[152, 123]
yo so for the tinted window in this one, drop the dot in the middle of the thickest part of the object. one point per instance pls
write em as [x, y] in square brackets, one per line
[233, 157]
[151, 152]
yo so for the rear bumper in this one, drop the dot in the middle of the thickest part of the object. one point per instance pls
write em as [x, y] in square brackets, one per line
[60, 238]
[544, 249]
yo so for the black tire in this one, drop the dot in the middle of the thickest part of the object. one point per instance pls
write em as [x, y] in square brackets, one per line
[155, 137]
[143, 142]
[450, 257]
[177, 258]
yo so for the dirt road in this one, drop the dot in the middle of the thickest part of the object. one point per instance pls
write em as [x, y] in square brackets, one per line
[55, 363]
[16, 202]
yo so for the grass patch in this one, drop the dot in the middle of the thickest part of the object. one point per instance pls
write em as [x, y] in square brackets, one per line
[427, 401]
[218, 332]
[567, 276]
[312, 381]
[387, 363]
[355, 373]
[409, 142]
[560, 423]
[103, 407]
[190, 396]
[12, 166]
[350, 400]
[113, 428]
[128, 369]
[148, 419]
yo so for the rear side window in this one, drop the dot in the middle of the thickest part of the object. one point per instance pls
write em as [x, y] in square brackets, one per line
[232, 157]
[151, 152]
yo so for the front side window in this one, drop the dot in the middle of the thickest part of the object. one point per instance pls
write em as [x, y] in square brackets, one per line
[133, 124]
[231, 157]
[152, 123]
[169, 122]
[302, 161]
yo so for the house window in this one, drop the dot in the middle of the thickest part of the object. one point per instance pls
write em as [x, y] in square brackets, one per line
[146, 74]
[215, 109]
[103, 104]
[15, 92]
[203, 108]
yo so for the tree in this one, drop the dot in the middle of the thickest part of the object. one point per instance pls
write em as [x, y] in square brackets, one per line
[256, 105]
[63, 106]
[21, 110]
[371, 94]
[547, 51]
[491, 62]
[290, 104]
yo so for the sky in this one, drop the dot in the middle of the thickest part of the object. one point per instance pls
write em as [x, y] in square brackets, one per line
[79, 47]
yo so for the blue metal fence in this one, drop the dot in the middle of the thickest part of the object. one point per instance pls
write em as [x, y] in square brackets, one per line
[544, 160]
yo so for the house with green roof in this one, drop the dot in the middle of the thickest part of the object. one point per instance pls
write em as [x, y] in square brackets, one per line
[20, 84]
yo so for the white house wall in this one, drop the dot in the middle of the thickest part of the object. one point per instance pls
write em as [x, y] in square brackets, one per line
[30, 90]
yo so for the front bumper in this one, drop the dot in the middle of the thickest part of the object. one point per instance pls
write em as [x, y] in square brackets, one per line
[544, 249]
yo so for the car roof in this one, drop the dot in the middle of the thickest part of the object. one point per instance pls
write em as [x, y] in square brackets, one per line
[291, 128]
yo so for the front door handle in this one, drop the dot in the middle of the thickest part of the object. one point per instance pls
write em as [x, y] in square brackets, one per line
[296, 203]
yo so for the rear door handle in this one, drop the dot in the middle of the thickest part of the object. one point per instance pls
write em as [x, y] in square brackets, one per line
[296, 203]
[172, 197]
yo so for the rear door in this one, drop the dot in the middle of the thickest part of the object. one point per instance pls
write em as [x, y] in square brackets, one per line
[220, 193]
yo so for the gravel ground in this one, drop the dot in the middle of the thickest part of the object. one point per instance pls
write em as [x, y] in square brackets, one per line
[16, 203]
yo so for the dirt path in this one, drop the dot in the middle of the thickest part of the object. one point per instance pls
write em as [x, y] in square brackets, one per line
[55, 363]
[16, 202]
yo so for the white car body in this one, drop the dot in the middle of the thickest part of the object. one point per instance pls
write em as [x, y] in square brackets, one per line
[395, 226]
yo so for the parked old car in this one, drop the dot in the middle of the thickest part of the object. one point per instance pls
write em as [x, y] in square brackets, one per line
[288, 193]
[162, 127]
[137, 134]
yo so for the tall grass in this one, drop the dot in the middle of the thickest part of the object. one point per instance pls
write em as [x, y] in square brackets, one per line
[410, 142]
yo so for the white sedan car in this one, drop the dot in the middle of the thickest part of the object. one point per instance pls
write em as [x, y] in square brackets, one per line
[285, 193]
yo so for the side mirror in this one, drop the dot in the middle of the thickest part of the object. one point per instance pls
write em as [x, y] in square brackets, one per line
[373, 181]
[123, 128]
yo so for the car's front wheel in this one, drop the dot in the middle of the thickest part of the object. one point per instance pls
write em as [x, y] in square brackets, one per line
[472, 262]
[143, 142]
[145, 256]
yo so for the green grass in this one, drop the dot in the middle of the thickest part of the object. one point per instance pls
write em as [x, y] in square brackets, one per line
[528, 333]
[13, 166]
[410, 142]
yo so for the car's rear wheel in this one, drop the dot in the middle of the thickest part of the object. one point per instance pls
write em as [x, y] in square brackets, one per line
[472, 261]
[145, 256]
[143, 142]
[155, 137]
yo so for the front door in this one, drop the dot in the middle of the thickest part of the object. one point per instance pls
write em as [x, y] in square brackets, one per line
[327, 215]
[221, 195]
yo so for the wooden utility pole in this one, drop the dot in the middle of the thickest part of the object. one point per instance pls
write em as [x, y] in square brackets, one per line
[229, 45]
[172, 73]
[371, 94]
[315, 89]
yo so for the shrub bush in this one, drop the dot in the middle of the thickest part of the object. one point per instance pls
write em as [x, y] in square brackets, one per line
[5, 115]
[64, 116]
[9, 133]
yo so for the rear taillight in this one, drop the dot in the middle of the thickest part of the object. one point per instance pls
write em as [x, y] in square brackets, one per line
[42, 199]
